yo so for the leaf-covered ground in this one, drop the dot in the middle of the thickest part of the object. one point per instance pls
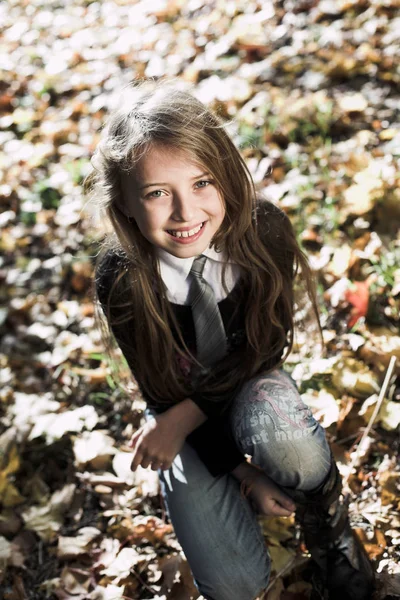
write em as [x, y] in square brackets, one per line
[312, 91]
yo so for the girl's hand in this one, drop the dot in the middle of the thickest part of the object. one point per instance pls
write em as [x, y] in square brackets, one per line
[161, 439]
[266, 496]
[157, 443]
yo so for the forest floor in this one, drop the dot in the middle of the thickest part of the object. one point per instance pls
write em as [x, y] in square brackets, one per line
[311, 90]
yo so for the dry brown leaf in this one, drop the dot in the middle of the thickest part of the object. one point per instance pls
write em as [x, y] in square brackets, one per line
[390, 482]
[381, 344]
[18, 591]
[170, 567]
[374, 547]
[10, 522]
[148, 528]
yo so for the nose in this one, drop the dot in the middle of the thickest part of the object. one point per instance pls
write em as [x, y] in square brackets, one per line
[183, 207]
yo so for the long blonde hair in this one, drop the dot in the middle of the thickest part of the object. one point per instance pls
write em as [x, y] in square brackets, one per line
[254, 235]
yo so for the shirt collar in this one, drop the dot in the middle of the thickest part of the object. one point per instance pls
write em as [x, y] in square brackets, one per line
[171, 266]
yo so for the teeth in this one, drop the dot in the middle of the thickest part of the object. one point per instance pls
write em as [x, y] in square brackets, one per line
[186, 234]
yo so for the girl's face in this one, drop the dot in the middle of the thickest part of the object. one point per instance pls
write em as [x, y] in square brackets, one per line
[174, 202]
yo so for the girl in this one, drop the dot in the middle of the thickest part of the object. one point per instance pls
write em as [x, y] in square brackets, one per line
[196, 284]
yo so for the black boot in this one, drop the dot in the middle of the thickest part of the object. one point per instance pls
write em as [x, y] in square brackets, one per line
[343, 565]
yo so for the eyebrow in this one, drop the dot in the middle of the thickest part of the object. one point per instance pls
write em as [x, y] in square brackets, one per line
[142, 187]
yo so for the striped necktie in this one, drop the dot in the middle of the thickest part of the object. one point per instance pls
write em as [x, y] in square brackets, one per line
[210, 332]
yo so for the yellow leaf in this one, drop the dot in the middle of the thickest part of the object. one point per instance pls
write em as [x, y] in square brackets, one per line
[388, 134]
[368, 187]
[389, 416]
[281, 557]
[390, 483]
[9, 494]
[278, 529]
[340, 261]
[353, 376]
[13, 461]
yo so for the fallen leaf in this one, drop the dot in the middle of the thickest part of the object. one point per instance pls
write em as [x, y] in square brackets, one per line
[5, 553]
[324, 405]
[110, 592]
[9, 494]
[120, 568]
[357, 295]
[94, 447]
[54, 425]
[279, 529]
[69, 547]
[75, 581]
[374, 547]
[354, 377]
[352, 103]
[280, 556]
[390, 483]
[340, 261]
[47, 520]
[389, 416]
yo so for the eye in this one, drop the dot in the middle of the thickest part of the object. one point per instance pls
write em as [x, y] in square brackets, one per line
[154, 194]
[203, 183]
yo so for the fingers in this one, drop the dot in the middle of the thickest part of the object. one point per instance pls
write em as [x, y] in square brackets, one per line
[146, 462]
[279, 511]
[278, 506]
[137, 460]
[149, 461]
[134, 439]
[156, 465]
[287, 503]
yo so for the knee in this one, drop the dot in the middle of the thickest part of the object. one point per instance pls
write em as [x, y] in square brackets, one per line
[272, 424]
[269, 411]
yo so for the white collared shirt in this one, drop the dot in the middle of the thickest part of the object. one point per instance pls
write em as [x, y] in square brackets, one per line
[175, 275]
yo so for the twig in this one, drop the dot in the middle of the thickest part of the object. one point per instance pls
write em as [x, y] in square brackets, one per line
[373, 416]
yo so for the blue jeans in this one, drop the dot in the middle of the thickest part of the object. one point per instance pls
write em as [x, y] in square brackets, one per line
[214, 523]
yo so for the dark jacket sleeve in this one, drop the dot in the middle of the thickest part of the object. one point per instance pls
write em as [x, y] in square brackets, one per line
[213, 440]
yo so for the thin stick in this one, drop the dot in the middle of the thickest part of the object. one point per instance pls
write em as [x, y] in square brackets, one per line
[373, 416]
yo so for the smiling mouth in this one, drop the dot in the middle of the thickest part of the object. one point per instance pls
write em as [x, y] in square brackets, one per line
[186, 234]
